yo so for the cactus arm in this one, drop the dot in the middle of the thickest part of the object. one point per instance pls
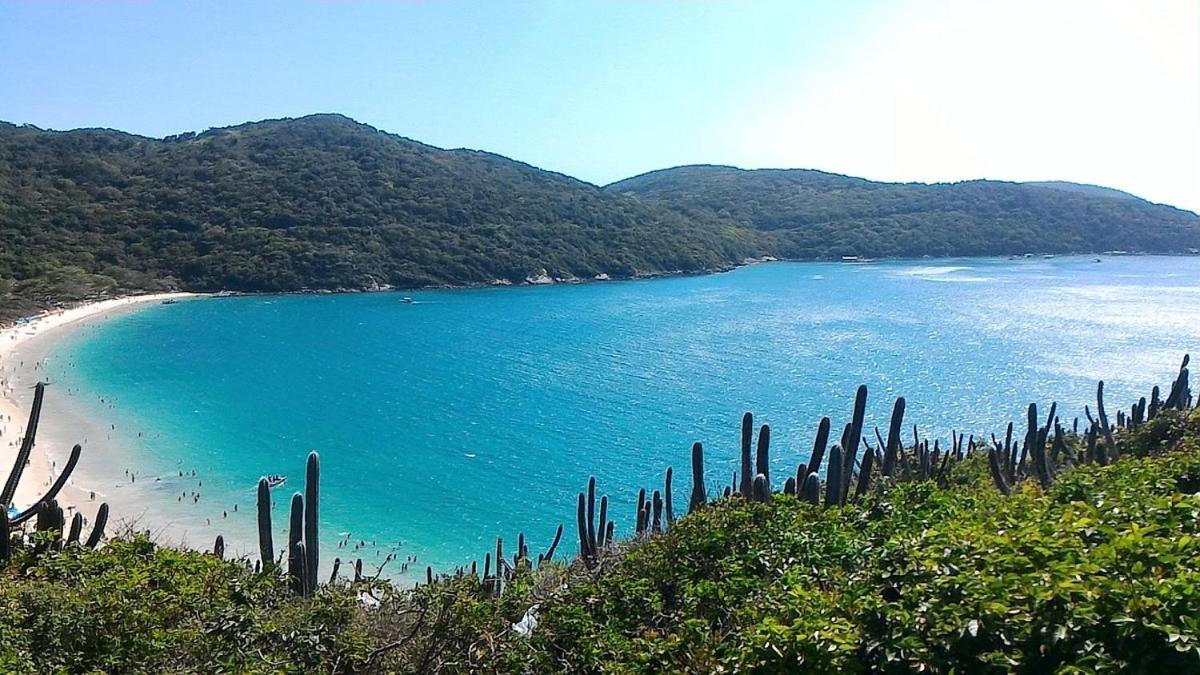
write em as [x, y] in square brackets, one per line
[762, 458]
[58, 485]
[266, 547]
[747, 467]
[76, 528]
[893, 439]
[602, 528]
[833, 477]
[699, 494]
[554, 544]
[818, 453]
[97, 534]
[312, 518]
[666, 497]
[35, 414]
[296, 564]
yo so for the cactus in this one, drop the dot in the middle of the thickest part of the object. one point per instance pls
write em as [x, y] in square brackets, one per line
[850, 447]
[1110, 449]
[337, 565]
[893, 439]
[549, 554]
[833, 478]
[219, 547]
[762, 458]
[266, 547]
[585, 550]
[297, 565]
[35, 414]
[93, 539]
[864, 474]
[591, 516]
[602, 528]
[812, 489]
[656, 513]
[1179, 396]
[22, 458]
[818, 453]
[1036, 439]
[312, 542]
[994, 463]
[5, 538]
[789, 486]
[670, 508]
[699, 494]
[761, 491]
[747, 467]
[76, 528]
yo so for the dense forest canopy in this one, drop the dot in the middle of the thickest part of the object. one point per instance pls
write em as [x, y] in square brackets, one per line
[323, 202]
[820, 215]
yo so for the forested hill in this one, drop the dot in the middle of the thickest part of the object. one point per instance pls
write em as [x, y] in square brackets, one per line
[323, 202]
[818, 215]
[316, 202]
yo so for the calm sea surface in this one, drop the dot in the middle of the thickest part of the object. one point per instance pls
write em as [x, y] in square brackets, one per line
[472, 414]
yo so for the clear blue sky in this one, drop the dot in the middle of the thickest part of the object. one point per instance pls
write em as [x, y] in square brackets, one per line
[604, 89]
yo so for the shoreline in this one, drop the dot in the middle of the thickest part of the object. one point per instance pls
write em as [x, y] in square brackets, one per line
[24, 347]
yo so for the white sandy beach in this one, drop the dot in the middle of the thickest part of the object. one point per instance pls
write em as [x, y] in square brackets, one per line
[22, 349]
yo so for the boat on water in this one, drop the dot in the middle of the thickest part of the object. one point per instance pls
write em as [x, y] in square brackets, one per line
[171, 301]
[275, 479]
[407, 300]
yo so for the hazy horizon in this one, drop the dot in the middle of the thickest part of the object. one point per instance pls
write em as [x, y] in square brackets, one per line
[1099, 93]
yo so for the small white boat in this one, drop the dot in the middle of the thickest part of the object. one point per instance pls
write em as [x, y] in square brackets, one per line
[407, 300]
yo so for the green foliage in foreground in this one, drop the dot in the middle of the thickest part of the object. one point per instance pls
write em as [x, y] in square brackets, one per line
[1099, 574]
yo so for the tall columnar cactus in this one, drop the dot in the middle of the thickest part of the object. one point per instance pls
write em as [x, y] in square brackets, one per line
[1109, 442]
[549, 554]
[22, 459]
[699, 493]
[893, 439]
[585, 541]
[747, 465]
[995, 461]
[312, 542]
[602, 526]
[76, 528]
[5, 538]
[266, 546]
[850, 448]
[833, 477]
[864, 474]
[297, 557]
[812, 489]
[35, 415]
[819, 444]
[1180, 396]
[1036, 437]
[668, 502]
[761, 492]
[762, 457]
[98, 526]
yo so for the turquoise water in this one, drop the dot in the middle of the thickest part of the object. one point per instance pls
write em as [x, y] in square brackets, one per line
[478, 413]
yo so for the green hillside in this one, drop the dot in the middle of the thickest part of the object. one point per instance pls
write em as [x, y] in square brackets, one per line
[317, 202]
[323, 202]
[822, 215]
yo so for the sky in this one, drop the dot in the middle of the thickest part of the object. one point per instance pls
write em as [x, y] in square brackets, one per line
[1092, 91]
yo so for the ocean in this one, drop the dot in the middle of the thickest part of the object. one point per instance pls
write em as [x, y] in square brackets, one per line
[471, 414]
